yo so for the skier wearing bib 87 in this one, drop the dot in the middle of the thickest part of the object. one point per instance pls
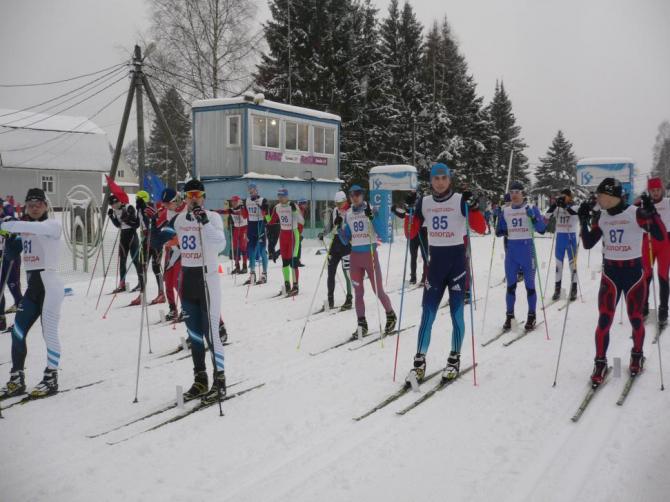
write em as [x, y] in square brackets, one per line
[621, 228]
[516, 222]
[444, 214]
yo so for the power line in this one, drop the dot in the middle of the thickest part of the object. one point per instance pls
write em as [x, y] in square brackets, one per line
[87, 84]
[65, 79]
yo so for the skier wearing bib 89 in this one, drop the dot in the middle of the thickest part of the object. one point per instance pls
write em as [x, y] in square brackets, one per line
[288, 216]
[360, 230]
[567, 224]
[621, 228]
[43, 297]
[444, 215]
[517, 221]
[201, 289]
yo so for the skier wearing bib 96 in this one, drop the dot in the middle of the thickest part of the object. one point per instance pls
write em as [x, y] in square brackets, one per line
[621, 227]
[516, 222]
[444, 214]
[43, 297]
[288, 216]
[201, 289]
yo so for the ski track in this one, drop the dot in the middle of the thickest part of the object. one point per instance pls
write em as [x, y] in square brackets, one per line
[509, 438]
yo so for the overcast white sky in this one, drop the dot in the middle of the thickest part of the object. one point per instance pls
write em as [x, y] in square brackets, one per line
[598, 69]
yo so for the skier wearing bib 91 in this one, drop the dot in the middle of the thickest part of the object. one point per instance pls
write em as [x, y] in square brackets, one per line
[43, 297]
[201, 289]
[621, 227]
[444, 214]
[567, 224]
[517, 222]
[360, 230]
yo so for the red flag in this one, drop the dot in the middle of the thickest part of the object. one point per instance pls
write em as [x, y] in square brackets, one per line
[117, 190]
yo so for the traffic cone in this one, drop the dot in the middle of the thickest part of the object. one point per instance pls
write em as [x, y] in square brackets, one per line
[220, 268]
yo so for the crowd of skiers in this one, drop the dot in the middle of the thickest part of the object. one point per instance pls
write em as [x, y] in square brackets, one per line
[183, 241]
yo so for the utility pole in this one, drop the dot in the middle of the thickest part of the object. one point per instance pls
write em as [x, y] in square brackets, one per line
[137, 62]
[413, 140]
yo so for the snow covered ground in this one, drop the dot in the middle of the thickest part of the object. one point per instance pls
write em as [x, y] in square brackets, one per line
[508, 439]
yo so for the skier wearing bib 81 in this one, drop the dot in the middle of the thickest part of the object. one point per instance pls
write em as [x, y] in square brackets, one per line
[621, 227]
[43, 297]
[444, 213]
[516, 222]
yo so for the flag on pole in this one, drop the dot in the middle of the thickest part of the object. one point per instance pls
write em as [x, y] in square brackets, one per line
[116, 190]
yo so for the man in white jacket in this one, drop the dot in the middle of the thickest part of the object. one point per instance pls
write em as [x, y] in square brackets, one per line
[40, 238]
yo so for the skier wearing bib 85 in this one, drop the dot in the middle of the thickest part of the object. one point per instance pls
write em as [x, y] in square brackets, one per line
[517, 221]
[444, 214]
[43, 297]
[621, 228]
[201, 289]
[567, 225]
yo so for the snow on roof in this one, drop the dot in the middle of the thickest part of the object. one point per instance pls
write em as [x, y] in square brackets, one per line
[276, 177]
[259, 101]
[398, 168]
[594, 161]
[38, 141]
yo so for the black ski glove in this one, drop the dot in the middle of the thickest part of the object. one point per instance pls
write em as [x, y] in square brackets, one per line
[560, 202]
[293, 206]
[337, 221]
[584, 212]
[410, 198]
[368, 213]
[647, 204]
[200, 215]
[110, 212]
[470, 199]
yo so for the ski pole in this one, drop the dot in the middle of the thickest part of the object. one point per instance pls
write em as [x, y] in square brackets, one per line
[472, 315]
[573, 266]
[104, 279]
[402, 292]
[653, 288]
[209, 317]
[539, 278]
[373, 280]
[551, 249]
[316, 290]
[97, 256]
[471, 275]
[144, 290]
[388, 261]
[488, 281]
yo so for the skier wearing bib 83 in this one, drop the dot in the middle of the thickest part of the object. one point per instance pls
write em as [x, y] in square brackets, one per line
[201, 238]
[43, 297]
[517, 222]
[444, 214]
[621, 228]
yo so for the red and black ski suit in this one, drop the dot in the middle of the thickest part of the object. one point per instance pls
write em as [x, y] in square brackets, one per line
[621, 229]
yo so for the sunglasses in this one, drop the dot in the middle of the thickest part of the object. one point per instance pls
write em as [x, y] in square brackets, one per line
[194, 194]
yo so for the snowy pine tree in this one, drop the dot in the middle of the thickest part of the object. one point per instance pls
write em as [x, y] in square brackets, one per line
[161, 159]
[661, 159]
[557, 168]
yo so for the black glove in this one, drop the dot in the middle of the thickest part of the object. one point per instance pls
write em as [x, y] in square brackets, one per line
[368, 212]
[560, 202]
[410, 198]
[200, 215]
[128, 214]
[338, 220]
[647, 204]
[552, 208]
[110, 212]
[584, 211]
[320, 236]
[293, 206]
[470, 199]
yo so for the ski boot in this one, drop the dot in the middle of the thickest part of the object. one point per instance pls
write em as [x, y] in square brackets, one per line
[453, 366]
[223, 334]
[412, 280]
[530, 322]
[244, 269]
[159, 299]
[218, 389]
[16, 385]
[347, 304]
[136, 288]
[599, 371]
[3, 323]
[48, 385]
[120, 289]
[199, 387]
[294, 290]
[331, 303]
[508, 322]
[251, 280]
[362, 327]
[236, 270]
[636, 363]
[557, 291]
[182, 316]
[418, 372]
[390, 322]
[172, 313]
[137, 301]
[263, 279]
[662, 316]
[573, 291]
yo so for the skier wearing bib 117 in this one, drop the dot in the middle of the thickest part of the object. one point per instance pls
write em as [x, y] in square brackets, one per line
[444, 214]
[660, 251]
[201, 289]
[620, 227]
[43, 297]
[517, 221]
[288, 216]
[567, 224]
[360, 230]
[256, 208]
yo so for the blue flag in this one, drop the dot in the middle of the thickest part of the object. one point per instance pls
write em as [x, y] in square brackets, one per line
[154, 186]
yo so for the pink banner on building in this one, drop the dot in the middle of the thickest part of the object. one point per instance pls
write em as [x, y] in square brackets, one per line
[294, 159]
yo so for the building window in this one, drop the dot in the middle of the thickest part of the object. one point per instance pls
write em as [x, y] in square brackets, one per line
[296, 137]
[48, 184]
[233, 138]
[266, 132]
[120, 173]
[324, 140]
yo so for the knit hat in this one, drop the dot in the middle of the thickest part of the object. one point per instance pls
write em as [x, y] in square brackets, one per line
[36, 194]
[194, 184]
[439, 169]
[168, 195]
[144, 195]
[516, 185]
[654, 183]
[282, 192]
[610, 186]
[340, 196]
